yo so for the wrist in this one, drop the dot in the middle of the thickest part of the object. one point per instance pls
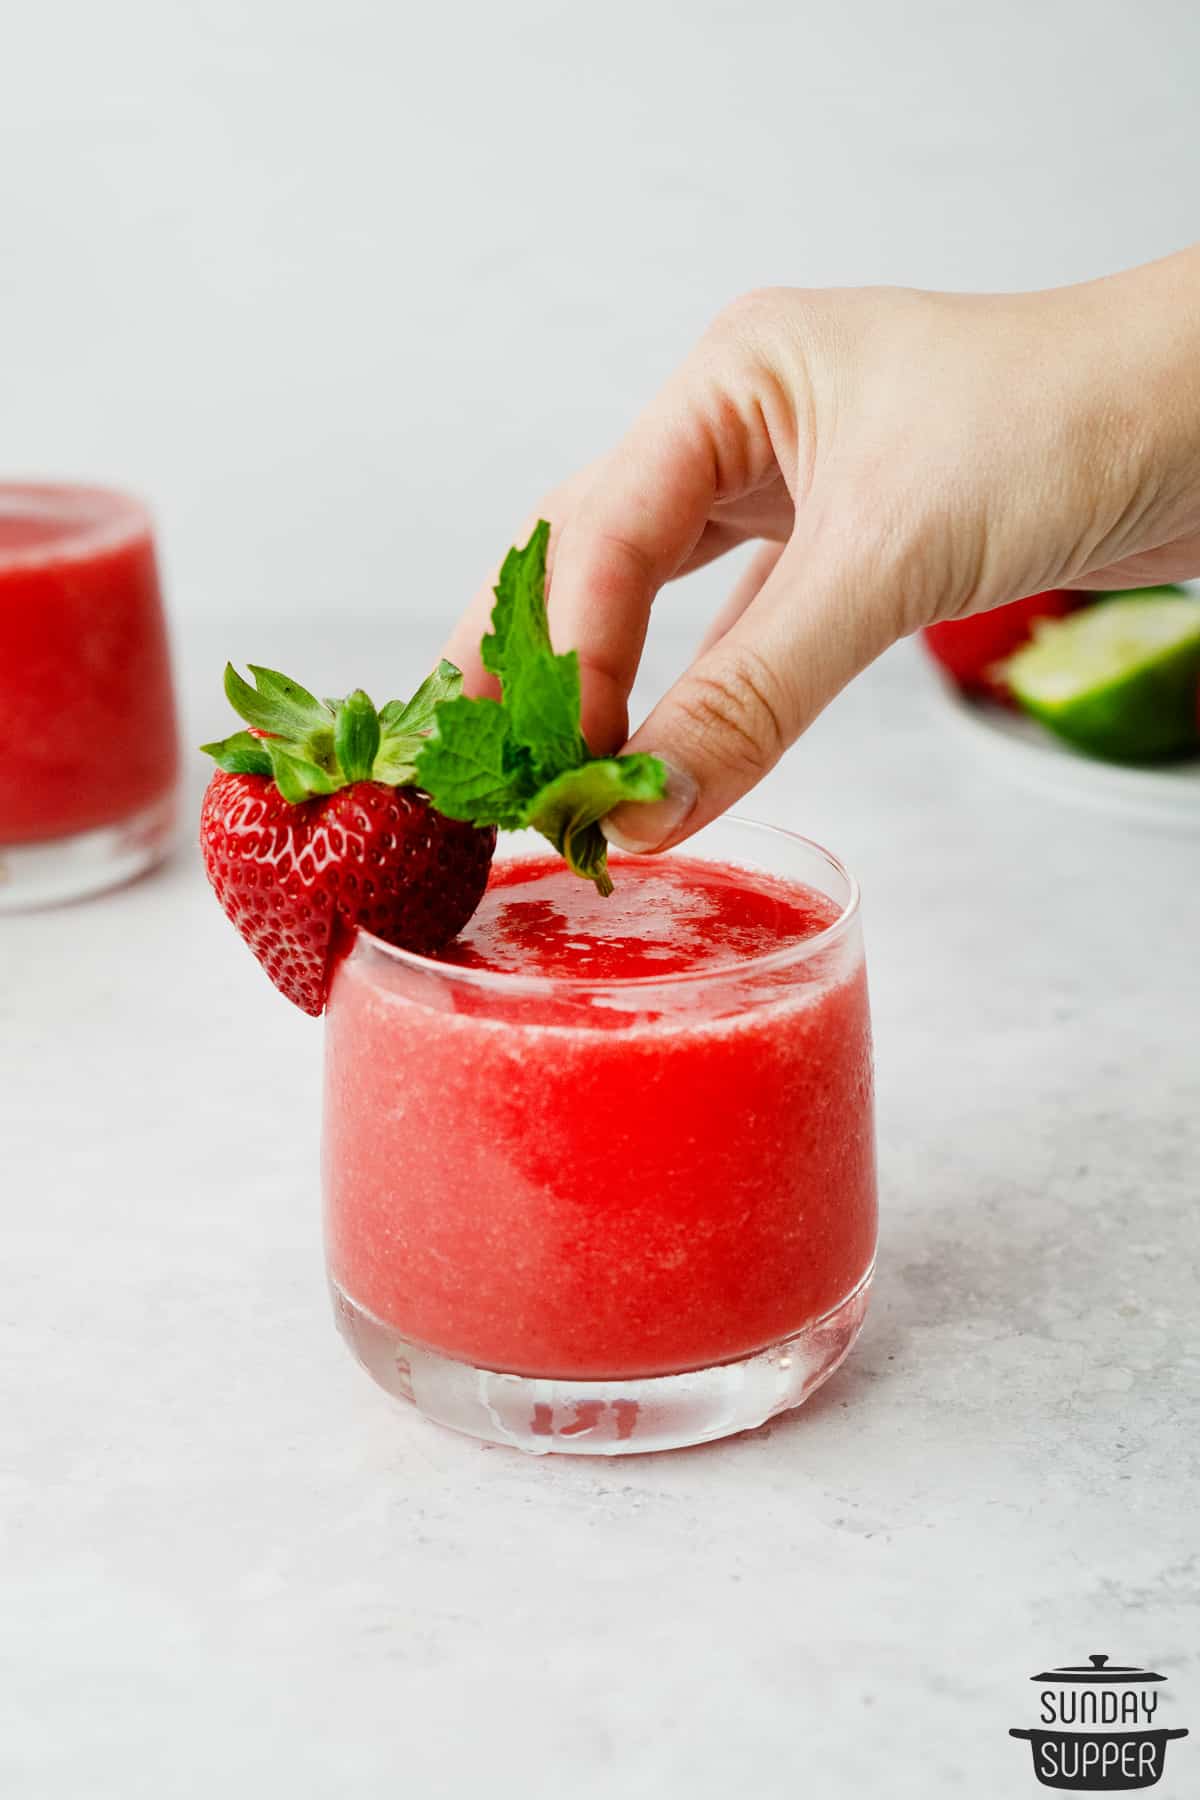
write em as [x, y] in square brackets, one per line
[1136, 380]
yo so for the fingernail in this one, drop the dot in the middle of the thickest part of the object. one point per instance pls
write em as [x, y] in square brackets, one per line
[647, 825]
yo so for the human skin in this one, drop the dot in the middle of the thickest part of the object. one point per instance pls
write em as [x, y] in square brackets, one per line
[904, 457]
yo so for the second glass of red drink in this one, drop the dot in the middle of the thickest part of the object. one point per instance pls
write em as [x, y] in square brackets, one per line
[90, 770]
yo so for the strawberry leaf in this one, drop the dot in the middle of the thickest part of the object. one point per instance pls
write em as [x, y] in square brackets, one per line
[313, 746]
[394, 765]
[240, 754]
[405, 724]
[414, 718]
[297, 779]
[275, 703]
[356, 736]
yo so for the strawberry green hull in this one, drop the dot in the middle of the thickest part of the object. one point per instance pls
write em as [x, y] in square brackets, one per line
[552, 1187]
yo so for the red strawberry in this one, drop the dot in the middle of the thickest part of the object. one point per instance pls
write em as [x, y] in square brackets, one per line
[311, 827]
[969, 649]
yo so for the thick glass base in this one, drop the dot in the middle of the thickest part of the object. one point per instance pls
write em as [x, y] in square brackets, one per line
[604, 1418]
[69, 868]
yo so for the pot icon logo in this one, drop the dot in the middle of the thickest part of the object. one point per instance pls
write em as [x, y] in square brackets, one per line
[1098, 1730]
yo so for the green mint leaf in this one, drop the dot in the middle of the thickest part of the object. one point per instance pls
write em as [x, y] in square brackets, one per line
[524, 761]
[470, 768]
[541, 690]
[519, 625]
[586, 853]
[356, 736]
[568, 809]
[240, 754]
[543, 703]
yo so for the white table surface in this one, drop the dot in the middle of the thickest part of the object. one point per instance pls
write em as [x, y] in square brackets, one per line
[232, 1567]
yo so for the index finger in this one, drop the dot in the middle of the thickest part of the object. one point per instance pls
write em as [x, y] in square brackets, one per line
[635, 523]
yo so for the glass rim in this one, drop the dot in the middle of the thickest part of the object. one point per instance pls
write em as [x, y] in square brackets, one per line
[501, 981]
[92, 518]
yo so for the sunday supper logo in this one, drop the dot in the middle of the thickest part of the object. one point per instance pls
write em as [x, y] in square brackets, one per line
[1098, 1727]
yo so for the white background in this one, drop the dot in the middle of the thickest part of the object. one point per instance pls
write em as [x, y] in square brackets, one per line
[343, 287]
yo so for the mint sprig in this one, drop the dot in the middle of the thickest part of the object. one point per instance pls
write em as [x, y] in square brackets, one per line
[313, 747]
[523, 761]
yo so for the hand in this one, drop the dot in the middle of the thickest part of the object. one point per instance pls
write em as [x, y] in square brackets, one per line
[907, 457]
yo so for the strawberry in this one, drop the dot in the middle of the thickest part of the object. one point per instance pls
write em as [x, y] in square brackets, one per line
[969, 649]
[312, 826]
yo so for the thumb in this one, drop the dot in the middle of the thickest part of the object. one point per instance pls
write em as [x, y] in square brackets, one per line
[748, 697]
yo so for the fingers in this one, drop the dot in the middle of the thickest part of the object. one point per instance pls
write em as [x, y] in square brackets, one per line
[717, 539]
[745, 590]
[633, 527]
[746, 698]
[462, 646]
[696, 475]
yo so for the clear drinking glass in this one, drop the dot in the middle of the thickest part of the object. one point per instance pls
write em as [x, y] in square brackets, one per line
[606, 1217]
[90, 768]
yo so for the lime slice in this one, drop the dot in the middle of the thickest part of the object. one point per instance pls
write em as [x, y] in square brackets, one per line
[1119, 679]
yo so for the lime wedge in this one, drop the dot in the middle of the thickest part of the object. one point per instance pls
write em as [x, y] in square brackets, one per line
[1119, 679]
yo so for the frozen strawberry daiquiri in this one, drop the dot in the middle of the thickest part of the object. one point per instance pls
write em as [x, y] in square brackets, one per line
[599, 1168]
[601, 1178]
[90, 765]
